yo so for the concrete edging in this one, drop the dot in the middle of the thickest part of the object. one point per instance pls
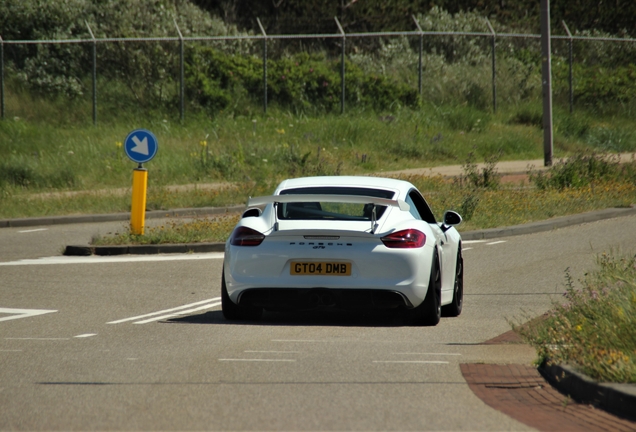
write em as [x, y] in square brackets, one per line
[548, 225]
[618, 399]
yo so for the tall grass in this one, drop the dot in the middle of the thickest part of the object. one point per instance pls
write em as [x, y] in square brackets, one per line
[592, 329]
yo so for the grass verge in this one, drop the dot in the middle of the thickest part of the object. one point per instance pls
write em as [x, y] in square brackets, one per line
[481, 208]
[593, 329]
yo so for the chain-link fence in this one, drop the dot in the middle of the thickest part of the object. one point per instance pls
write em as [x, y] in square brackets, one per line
[173, 69]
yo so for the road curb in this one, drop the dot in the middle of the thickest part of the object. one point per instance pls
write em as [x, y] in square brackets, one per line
[618, 399]
[75, 250]
[548, 225]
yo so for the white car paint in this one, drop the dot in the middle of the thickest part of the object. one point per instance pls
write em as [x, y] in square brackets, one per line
[374, 266]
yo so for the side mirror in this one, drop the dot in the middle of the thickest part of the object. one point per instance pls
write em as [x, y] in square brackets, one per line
[252, 212]
[451, 219]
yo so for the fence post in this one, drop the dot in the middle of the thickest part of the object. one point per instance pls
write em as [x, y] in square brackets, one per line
[570, 61]
[181, 73]
[494, 66]
[264, 65]
[1, 78]
[94, 74]
[546, 78]
[342, 68]
[419, 63]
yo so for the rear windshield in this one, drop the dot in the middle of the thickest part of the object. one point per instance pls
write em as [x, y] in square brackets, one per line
[325, 210]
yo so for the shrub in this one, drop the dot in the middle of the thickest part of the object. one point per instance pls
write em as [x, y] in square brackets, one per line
[488, 178]
[301, 81]
[581, 170]
[594, 329]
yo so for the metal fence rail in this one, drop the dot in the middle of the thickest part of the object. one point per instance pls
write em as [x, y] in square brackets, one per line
[264, 38]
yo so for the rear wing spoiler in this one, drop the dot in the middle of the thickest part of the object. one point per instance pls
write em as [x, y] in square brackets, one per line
[351, 199]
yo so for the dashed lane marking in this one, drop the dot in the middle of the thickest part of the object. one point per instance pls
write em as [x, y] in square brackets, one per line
[433, 354]
[257, 360]
[86, 335]
[411, 361]
[497, 242]
[33, 230]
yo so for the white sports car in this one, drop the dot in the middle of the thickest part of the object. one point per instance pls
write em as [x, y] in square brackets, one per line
[346, 243]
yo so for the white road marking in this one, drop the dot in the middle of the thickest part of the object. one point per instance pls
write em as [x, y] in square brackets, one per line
[184, 312]
[34, 338]
[465, 249]
[258, 360]
[411, 361]
[22, 313]
[33, 230]
[497, 242]
[212, 300]
[436, 354]
[86, 335]
[94, 259]
[473, 241]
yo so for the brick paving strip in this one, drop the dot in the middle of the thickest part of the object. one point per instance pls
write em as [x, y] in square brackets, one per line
[520, 392]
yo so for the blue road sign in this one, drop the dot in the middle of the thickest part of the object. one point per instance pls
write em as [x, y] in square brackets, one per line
[141, 145]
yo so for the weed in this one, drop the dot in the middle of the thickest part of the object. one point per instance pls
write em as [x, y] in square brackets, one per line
[593, 328]
[487, 178]
[581, 170]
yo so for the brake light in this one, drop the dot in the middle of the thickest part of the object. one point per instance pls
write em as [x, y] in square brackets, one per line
[243, 236]
[405, 239]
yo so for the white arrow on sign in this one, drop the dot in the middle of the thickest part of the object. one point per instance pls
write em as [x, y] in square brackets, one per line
[22, 313]
[141, 146]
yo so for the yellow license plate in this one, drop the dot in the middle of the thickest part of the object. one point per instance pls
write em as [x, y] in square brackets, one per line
[320, 268]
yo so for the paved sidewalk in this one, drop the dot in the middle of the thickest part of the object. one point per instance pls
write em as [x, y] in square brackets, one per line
[520, 392]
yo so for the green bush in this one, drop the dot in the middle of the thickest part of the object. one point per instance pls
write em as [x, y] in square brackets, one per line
[594, 329]
[583, 169]
[301, 81]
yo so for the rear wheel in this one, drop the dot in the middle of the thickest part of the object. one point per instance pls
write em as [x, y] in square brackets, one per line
[428, 313]
[455, 308]
[232, 311]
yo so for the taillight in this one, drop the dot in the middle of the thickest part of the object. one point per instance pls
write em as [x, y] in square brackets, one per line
[405, 239]
[243, 236]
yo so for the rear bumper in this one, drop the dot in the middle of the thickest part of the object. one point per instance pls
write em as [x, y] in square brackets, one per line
[317, 298]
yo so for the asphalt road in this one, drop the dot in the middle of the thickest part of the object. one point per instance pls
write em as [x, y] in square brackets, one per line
[101, 343]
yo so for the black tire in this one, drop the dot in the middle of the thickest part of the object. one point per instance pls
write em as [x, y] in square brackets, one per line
[455, 308]
[232, 311]
[429, 312]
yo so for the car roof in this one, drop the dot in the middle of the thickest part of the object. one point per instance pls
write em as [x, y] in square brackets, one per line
[401, 186]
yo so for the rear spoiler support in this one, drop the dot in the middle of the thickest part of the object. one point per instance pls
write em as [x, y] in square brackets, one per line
[350, 199]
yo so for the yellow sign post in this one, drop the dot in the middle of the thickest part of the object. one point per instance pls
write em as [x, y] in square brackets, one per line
[140, 146]
[138, 210]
